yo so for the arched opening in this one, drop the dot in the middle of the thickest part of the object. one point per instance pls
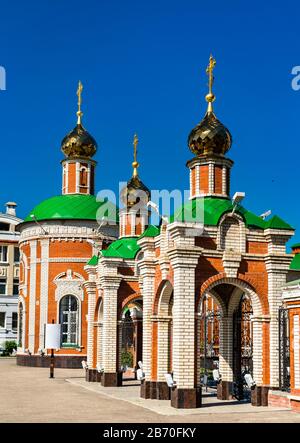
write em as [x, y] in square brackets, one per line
[131, 338]
[209, 340]
[230, 336]
[164, 326]
[69, 320]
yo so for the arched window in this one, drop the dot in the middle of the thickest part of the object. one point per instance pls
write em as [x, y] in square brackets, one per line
[69, 320]
[83, 176]
[20, 325]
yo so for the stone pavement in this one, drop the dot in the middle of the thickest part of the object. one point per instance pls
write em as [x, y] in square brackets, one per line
[28, 395]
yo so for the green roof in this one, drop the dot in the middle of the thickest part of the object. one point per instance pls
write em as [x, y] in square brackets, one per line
[293, 283]
[151, 231]
[93, 261]
[277, 223]
[211, 210]
[125, 247]
[295, 264]
[73, 206]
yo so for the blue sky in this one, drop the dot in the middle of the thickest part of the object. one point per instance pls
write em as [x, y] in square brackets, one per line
[143, 64]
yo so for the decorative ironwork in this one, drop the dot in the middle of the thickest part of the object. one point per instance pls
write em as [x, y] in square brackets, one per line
[284, 349]
[242, 347]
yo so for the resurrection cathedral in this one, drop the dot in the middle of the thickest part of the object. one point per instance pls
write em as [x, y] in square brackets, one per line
[139, 292]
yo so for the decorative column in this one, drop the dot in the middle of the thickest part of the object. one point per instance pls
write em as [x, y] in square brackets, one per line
[91, 292]
[112, 376]
[163, 356]
[225, 358]
[32, 298]
[259, 395]
[147, 272]
[184, 261]
[44, 289]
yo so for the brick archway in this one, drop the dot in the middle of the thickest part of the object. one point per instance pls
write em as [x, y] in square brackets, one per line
[260, 334]
[246, 284]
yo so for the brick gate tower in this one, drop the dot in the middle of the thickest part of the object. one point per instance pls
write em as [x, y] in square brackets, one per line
[211, 247]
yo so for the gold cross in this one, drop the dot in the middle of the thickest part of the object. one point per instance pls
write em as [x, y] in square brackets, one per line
[209, 72]
[135, 144]
[135, 164]
[79, 92]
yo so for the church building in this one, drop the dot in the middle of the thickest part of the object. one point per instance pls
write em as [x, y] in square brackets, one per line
[138, 295]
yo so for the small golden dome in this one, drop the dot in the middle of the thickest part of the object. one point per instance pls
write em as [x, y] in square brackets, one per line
[135, 191]
[210, 136]
[79, 143]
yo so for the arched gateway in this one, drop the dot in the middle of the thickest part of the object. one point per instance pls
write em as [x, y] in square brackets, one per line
[211, 247]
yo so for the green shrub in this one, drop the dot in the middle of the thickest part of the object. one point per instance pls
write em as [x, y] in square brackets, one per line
[126, 359]
[9, 346]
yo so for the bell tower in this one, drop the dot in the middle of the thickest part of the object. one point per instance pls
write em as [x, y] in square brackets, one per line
[78, 168]
[209, 141]
[134, 217]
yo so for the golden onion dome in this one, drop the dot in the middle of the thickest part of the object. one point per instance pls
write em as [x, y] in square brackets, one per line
[210, 136]
[135, 191]
[79, 143]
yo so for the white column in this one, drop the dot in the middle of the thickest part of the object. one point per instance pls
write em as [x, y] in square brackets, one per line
[184, 261]
[32, 297]
[44, 289]
[257, 338]
[224, 180]
[110, 339]
[211, 178]
[163, 348]
[91, 291]
[148, 274]
[226, 345]
[99, 343]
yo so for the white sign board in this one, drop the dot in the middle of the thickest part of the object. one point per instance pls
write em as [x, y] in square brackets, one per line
[52, 336]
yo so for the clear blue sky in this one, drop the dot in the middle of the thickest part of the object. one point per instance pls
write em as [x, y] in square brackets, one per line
[143, 64]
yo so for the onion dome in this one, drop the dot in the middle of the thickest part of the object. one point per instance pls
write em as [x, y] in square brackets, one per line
[210, 136]
[79, 143]
[135, 191]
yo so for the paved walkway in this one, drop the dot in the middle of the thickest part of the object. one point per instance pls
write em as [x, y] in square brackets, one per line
[28, 395]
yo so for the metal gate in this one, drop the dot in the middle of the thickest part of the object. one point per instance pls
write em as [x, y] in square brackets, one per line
[242, 347]
[284, 349]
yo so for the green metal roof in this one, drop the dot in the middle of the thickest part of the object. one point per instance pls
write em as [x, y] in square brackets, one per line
[125, 247]
[151, 231]
[75, 206]
[93, 261]
[295, 263]
[277, 223]
[294, 282]
[212, 208]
